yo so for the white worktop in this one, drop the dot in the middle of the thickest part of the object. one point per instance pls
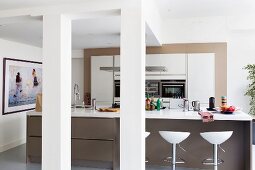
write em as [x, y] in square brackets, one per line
[162, 114]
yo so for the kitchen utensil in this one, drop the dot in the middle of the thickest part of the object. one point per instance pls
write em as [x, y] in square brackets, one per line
[94, 104]
[196, 105]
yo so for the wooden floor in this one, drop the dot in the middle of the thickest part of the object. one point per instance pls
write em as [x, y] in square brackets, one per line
[15, 159]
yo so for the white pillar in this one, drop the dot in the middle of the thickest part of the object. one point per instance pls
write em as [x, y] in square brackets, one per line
[56, 116]
[132, 122]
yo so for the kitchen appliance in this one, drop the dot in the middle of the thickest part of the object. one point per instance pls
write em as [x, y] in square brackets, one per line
[211, 103]
[185, 104]
[159, 88]
[94, 107]
[117, 88]
[173, 89]
[196, 105]
[152, 88]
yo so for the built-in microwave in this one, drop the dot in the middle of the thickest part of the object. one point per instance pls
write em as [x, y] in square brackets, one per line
[173, 88]
[160, 88]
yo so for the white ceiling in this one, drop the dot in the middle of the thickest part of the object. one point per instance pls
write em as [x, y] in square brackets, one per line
[15, 4]
[105, 31]
[88, 33]
[204, 8]
[96, 32]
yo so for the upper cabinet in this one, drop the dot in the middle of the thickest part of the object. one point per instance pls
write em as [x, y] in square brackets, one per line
[101, 81]
[201, 77]
[197, 69]
[175, 63]
[153, 60]
[117, 61]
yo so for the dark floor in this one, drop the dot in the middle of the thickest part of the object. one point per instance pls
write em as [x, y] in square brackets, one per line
[15, 159]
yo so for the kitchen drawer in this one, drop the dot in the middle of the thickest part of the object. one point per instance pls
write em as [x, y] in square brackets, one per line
[92, 150]
[34, 146]
[93, 128]
[34, 125]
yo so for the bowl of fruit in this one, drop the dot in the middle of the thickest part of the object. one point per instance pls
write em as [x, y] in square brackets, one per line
[227, 109]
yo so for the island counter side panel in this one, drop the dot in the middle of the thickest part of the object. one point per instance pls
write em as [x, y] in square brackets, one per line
[238, 147]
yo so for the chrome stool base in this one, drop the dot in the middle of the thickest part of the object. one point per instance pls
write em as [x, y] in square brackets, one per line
[169, 160]
[147, 160]
[210, 161]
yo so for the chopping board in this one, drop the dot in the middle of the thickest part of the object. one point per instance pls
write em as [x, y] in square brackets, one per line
[108, 109]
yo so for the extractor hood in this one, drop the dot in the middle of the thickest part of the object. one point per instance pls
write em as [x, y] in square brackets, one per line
[147, 69]
[155, 69]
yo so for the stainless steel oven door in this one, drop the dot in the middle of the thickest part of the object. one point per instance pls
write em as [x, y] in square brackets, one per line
[172, 90]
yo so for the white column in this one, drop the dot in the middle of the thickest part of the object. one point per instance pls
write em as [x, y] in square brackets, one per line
[132, 122]
[56, 116]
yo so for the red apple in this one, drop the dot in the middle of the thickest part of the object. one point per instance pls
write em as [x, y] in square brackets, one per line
[231, 109]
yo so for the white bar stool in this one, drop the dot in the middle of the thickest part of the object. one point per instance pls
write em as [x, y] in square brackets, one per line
[174, 138]
[146, 135]
[215, 138]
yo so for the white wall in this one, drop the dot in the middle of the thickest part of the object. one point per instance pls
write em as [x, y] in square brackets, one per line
[78, 72]
[13, 126]
[240, 40]
[241, 51]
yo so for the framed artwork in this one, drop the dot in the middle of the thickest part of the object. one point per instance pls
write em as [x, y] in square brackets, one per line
[22, 81]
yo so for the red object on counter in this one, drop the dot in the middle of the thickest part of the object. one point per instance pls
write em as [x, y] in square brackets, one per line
[206, 116]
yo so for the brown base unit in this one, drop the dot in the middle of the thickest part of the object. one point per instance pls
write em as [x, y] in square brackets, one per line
[95, 142]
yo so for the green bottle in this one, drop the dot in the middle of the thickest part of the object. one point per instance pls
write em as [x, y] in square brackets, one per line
[158, 104]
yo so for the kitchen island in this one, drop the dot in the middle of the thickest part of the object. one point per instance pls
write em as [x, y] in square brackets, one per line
[95, 138]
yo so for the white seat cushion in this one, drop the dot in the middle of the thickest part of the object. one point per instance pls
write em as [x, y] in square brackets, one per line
[173, 136]
[216, 137]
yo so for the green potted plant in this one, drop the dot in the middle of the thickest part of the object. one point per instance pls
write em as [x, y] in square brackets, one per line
[251, 88]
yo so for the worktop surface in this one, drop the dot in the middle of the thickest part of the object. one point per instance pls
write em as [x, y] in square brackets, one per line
[162, 114]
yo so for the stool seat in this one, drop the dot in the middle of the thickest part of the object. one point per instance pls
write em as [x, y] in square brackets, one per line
[217, 137]
[174, 137]
[147, 134]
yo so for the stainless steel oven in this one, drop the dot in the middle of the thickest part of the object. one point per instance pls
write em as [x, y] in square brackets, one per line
[173, 88]
[117, 88]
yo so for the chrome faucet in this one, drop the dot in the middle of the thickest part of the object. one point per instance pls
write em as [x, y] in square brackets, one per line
[76, 94]
[185, 104]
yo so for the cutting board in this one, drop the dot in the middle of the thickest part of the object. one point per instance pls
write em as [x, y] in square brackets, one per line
[108, 109]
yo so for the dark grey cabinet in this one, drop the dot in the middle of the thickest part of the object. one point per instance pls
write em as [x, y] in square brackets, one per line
[93, 141]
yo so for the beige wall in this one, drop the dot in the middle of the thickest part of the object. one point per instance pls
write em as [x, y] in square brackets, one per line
[220, 50]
